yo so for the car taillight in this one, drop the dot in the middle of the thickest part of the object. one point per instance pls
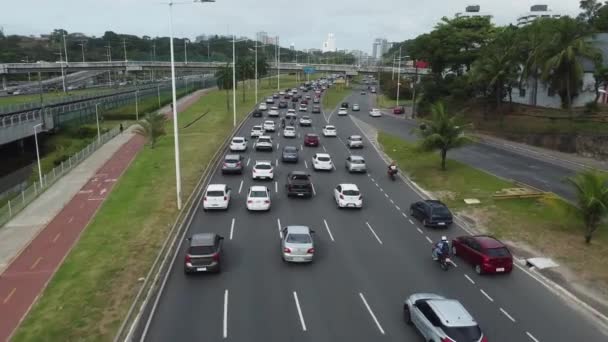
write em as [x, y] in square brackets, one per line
[267, 201]
[446, 339]
[238, 163]
[249, 201]
[484, 339]
[341, 197]
[225, 164]
[360, 197]
[205, 198]
[225, 198]
[188, 258]
[216, 257]
[310, 251]
[286, 250]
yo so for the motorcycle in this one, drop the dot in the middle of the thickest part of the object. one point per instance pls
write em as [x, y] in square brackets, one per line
[444, 261]
[391, 173]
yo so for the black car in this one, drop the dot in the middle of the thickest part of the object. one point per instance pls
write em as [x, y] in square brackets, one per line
[344, 105]
[290, 154]
[298, 184]
[282, 104]
[294, 99]
[203, 253]
[432, 213]
[256, 113]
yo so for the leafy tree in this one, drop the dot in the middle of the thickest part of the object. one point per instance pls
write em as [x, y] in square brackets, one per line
[441, 132]
[245, 69]
[592, 194]
[223, 78]
[152, 127]
[563, 70]
[590, 10]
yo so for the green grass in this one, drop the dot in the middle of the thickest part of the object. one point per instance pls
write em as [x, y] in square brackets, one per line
[382, 101]
[50, 96]
[333, 96]
[92, 291]
[549, 225]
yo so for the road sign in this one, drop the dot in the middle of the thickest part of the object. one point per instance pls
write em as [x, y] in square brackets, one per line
[309, 70]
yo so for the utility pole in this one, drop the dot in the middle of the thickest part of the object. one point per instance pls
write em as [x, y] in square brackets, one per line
[65, 47]
[153, 58]
[124, 47]
[414, 90]
[398, 75]
[82, 46]
[109, 49]
[208, 51]
[186, 51]
[278, 64]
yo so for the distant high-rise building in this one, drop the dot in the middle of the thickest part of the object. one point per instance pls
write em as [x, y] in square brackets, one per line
[473, 11]
[201, 38]
[261, 37]
[292, 46]
[380, 47]
[330, 44]
[536, 12]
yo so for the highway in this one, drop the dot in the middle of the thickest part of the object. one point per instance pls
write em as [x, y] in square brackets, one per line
[367, 262]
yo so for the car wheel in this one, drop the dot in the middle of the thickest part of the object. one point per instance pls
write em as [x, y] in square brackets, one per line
[406, 314]
[453, 250]
[478, 269]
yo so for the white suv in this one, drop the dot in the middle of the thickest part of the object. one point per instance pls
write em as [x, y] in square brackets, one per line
[217, 196]
[354, 141]
[238, 144]
[264, 142]
[329, 131]
[322, 161]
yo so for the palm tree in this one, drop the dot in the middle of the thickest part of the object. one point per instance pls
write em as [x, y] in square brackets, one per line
[224, 81]
[530, 45]
[152, 127]
[592, 193]
[441, 132]
[562, 69]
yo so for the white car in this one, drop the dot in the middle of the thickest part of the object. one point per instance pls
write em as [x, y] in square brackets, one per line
[257, 131]
[305, 121]
[269, 100]
[375, 112]
[258, 198]
[263, 106]
[263, 169]
[329, 131]
[281, 93]
[322, 161]
[289, 132]
[238, 144]
[264, 142]
[303, 108]
[343, 111]
[269, 126]
[217, 196]
[356, 107]
[354, 141]
[273, 112]
[348, 196]
[291, 110]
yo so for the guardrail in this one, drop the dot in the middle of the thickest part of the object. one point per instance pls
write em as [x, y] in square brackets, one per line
[26, 196]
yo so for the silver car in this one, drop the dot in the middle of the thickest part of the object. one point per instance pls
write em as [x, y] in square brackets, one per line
[354, 141]
[440, 319]
[297, 244]
[355, 164]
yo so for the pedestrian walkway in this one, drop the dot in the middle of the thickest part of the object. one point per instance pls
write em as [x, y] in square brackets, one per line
[35, 242]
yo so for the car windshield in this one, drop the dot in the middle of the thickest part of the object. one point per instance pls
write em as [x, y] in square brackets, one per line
[290, 149]
[258, 194]
[351, 192]
[238, 140]
[440, 211]
[215, 193]
[264, 140]
[299, 238]
[311, 136]
[299, 177]
[289, 128]
[231, 160]
[263, 167]
[325, 159]
[355, 138]
[498, 252]
[470, 333]
[331, 128]
[257, 128]
[357, 161]
[201, 250]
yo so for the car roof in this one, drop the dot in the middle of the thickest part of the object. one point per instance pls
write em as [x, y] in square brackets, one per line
[435, 203]
[212, 187]
[355, 136]
[263, 162]
[269, 121]
[258, 188]
[487, 241]
[264, 137]
[290, 127]
[289, 147]
[203, 239]
[257, 127]
[238, 138]
[342, 108]
[451, 313]
[232, 156]
[330, 126]
[298, 173]
[354, 157]
[298, 230]
[323, 155]
[311, 135]
[349, 186]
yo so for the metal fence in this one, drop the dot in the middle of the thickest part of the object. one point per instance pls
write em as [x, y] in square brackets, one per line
[26, 196]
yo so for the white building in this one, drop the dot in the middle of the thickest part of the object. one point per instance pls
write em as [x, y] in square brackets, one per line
[330, 44]
[380, 47]
[473, 11]
[536, 12]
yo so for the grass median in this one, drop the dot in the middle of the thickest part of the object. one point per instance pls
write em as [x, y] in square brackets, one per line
[382, 101]
[546, 226]
[91, 292]
[333, 96]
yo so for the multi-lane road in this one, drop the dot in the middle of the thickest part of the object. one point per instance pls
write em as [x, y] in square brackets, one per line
[367, 262]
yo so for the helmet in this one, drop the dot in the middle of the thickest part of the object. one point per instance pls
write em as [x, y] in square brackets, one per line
[444, 238]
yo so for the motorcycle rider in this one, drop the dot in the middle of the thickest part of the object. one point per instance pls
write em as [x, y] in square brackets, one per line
[392, 168]
[442, 248]
[283, 122]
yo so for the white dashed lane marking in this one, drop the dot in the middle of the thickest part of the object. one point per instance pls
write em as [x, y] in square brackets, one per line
[531, 337]
[371, 313]
[507, 314]
[428, 239]
[469, 278]
[373, 232]
[486, 295]
[419, 230]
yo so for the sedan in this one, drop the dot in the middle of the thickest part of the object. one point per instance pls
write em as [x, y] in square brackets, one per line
[238, 144]
[264, 142]
[257, 131]
[282, 104]
[290, 154]
[263, 106]
[203, 253]
[375, 112]
[289, 132]
[232, 164]
[262, 170]
[348, 196]
[363, 92]
[305, 121]
[356, 108]
[269, 100]
[342, 111]
[297, 244]
[269, 126]
[329, 131]
[273, 112]
[316, 100]
[316, 109]
[486, 253]
[398, 110]
[322, 161]
[303, 108]
[217, 196]
[354, 141]
[258, 198]
[257, 113]
[311, 139]
[355, 164]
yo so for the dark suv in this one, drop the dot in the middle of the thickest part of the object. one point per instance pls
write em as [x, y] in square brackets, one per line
[203, 253]
[431, 213]
[298, 184]
[344, 105]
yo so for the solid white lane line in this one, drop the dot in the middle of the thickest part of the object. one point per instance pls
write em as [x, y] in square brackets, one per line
[306, 164]
[428, 239]
[276, 162]
[276, 187]
[226, 313]
[371, 313]
[469, 278]
[248, 160]
[419, 230]
[232, 229]
[295, 297]
[279, 227]
[314, 192]
[531, 337]
[507, 314]
[278, 144]
[328, 231]
[412, 222]
[386, 195]
[241, 187]
[487, 296]
[324, 148]
[398, 208]
[301, 147]
[373, 232]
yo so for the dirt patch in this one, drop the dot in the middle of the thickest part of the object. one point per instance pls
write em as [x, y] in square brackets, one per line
[445, 195]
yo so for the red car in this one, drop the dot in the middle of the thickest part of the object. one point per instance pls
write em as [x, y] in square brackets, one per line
[304, 101]
[398, 110]
[485, 253]
[311, 139]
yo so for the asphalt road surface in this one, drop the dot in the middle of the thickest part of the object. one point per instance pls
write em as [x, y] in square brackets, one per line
[547, 175]
[367, 262]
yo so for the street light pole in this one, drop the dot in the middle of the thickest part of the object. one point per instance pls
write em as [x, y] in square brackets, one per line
[97, 119]
[82, 46]
[256, 71]
[278, 64]
[178, 178]
[185, 51]
[233, 81]
[398, 75]
[109, 47]
[65, 47]
[137, 104]
[29, 76]
[124, 48]
[38, 152]
[62, 71]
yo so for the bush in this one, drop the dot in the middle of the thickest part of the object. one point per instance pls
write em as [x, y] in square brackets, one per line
[591, 107]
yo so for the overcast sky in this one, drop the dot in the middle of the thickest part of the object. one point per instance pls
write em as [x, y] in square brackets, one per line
[355, 23]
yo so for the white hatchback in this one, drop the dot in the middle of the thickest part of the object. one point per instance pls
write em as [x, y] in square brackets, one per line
[375, 112]
[257, 131]
[329, 131]
[348, 196]
[269, 126]
[343, 111]
[263, 170]
[322, 161]
[217, 196]
[289, 132]
[263, 106]
[238, 144]
[273, 112]
[291, 110]
[258, 198]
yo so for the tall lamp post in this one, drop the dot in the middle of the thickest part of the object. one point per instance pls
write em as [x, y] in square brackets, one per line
[178, 182]
[29, 76]
[38, 152]
[256, 68]
[278, 64]
[62, 71]
[82, 47]
[234, 41]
